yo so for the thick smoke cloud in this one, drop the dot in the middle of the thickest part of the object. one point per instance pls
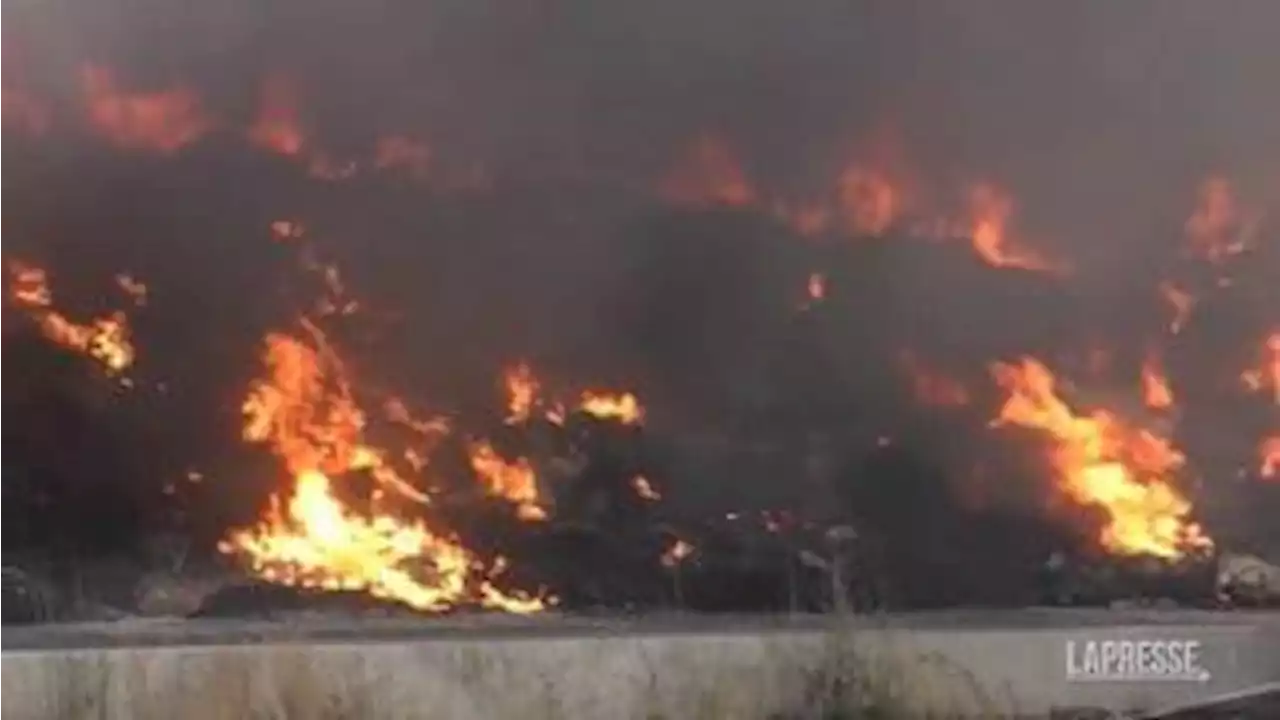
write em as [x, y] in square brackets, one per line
[1101, 118]
[1075, 102]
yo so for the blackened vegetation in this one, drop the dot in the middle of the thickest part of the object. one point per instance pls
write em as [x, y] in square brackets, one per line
[771, 421]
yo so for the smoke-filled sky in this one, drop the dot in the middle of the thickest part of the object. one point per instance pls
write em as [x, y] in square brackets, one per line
[1100, 119]
[1076, 104]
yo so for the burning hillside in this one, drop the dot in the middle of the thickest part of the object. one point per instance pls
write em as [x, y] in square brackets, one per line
[570, 359]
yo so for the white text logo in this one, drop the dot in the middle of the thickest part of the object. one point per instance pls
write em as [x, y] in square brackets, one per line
[1135, 661]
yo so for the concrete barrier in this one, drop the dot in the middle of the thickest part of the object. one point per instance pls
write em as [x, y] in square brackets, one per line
[992, 664]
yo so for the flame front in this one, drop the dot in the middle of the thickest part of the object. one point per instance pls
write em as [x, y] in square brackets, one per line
[106, 339]
[305, 411]
[1102, 462]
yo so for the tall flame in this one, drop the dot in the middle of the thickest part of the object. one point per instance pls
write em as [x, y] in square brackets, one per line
[1100, 461]
[304, 409]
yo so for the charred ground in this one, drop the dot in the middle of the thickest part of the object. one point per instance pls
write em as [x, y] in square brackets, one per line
[757, 403]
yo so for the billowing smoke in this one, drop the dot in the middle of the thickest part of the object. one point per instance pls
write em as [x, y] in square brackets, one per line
[800, 231]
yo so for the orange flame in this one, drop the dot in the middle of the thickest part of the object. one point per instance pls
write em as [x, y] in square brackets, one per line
[990, 215]
[105, 339]
[522, 392]
[160, 122]
[708, 174]
[1100, 461]
[515, 481]
[1156, 392]
[304, 409]
[623, 407]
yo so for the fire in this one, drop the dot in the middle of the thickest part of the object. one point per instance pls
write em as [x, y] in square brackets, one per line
[1181, 302]
[522, 392]
[1266, 377]
[1215, 230]
[277, 128]
[305, 411]
[1269, 453]
[990, 214]
[709, 174]
[161, 122]
[106, 339]
[869, 204]
[523, 398]
[1156, 393]
[931, 387]
[515, 481]
[623, 407]
[1102, 462]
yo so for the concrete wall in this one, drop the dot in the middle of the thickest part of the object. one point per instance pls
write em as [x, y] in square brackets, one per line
[603, 672]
